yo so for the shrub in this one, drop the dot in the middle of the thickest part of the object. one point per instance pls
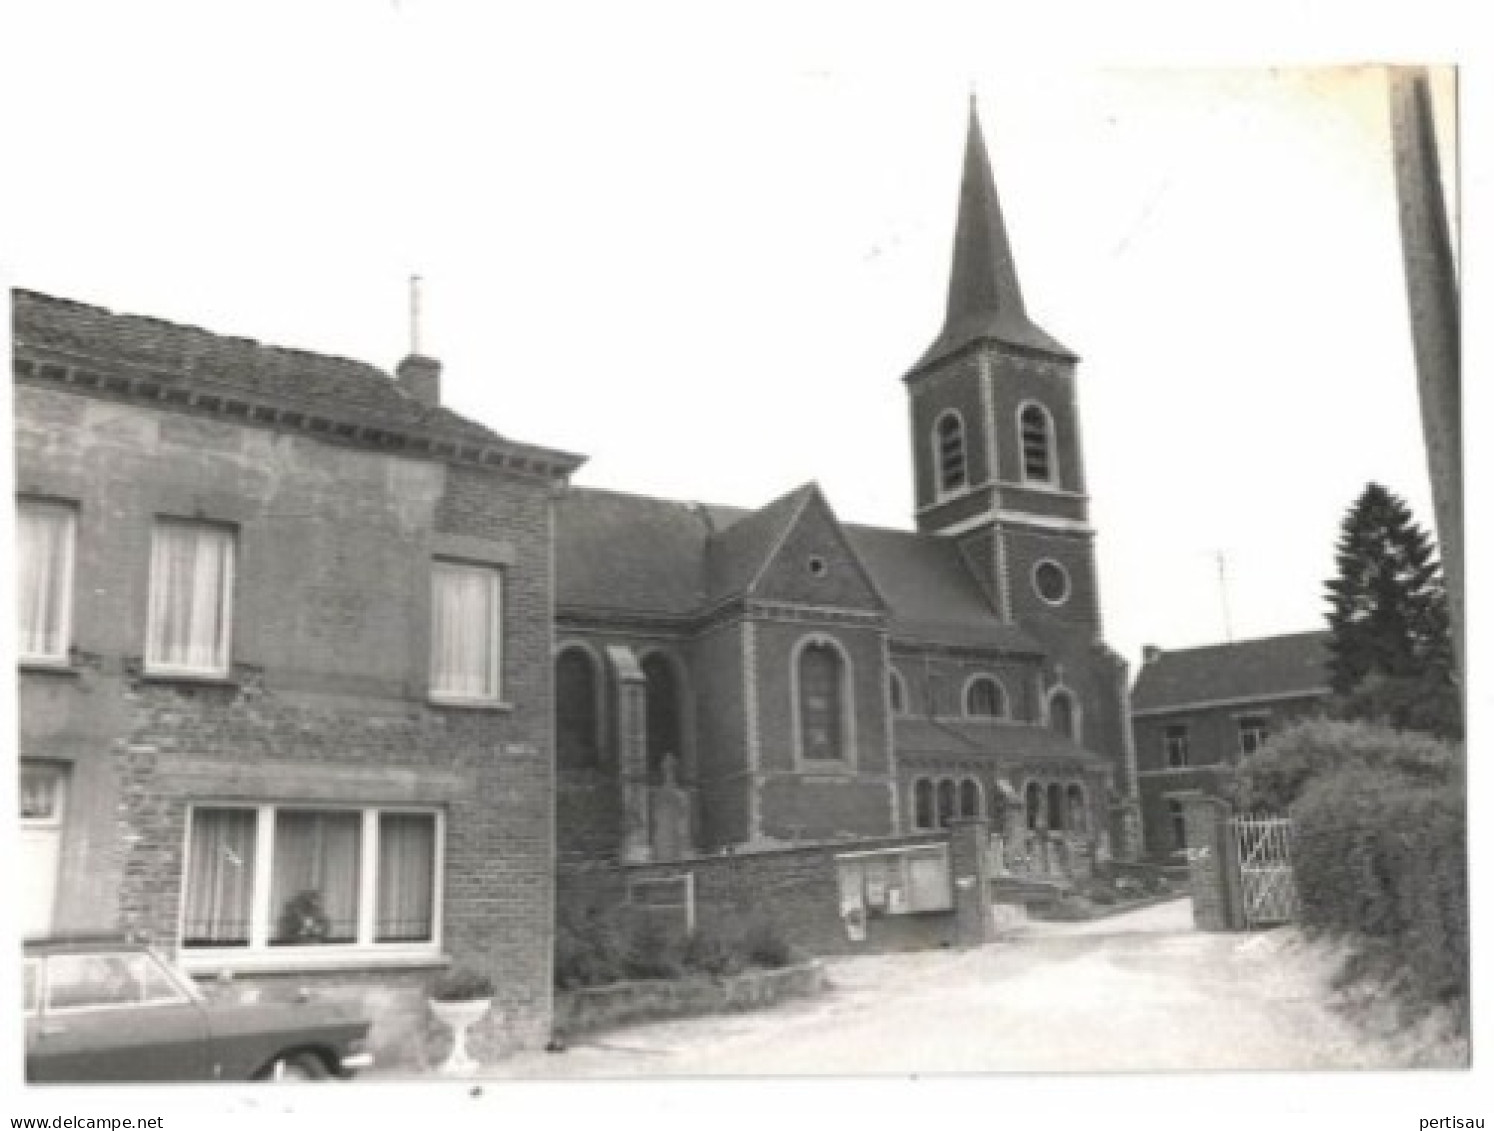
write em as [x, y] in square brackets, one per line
[653, 952]
[461, 984]
[1382, 855]
[763, 945]
[590, 949]
[1274, 777]
[714, 952]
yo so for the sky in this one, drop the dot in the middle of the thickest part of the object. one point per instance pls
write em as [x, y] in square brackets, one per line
[708, 269]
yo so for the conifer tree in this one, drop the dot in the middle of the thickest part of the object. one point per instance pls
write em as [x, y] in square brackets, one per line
[1390, 646]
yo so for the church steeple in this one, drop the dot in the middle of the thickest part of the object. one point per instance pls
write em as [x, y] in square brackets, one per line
[985, 296]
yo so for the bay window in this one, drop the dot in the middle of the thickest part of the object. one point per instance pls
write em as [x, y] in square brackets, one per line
[285, 880]
[466, 635]
[190, 610]
[45, 532]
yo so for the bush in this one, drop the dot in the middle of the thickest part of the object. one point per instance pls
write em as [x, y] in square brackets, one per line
[461, 984]
[600, 947]
[1273, 778]
[1383, 855]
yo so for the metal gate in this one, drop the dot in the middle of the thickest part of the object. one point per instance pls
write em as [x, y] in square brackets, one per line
[1264, 846]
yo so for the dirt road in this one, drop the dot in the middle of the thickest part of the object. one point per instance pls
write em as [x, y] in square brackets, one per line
[1142, 991]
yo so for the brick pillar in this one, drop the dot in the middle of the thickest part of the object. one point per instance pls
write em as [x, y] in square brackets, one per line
[1213, 869]
[970, 873]
[629, 686]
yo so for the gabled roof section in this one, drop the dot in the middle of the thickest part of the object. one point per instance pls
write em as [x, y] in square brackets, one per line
[737, 555]
[931, 595]
[985, 295]
[629, 553]
[185, 366]
[1271, 667]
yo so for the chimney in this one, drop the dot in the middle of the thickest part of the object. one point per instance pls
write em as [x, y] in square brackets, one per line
[418, 375]
[421, 378]
[1150, 654]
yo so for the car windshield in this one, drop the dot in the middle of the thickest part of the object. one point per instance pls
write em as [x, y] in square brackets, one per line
[103, 979]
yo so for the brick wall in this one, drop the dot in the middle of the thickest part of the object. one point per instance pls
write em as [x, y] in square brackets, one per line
[795, 889]
[326, 702]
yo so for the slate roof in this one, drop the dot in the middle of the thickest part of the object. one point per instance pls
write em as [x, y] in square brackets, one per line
[638, 555]
[985, 295]
[922, 735]
[1269, 667]
[197, 359]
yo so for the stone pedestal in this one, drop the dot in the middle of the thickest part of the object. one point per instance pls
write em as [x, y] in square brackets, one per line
[971, 876]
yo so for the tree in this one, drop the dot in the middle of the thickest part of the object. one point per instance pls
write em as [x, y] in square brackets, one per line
[1390, 647]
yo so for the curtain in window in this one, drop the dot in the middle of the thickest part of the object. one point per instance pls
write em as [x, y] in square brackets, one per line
[407, 867]
[220, 875]
[314, 889]
[464, 619]
[820, 703]
[44, 558]
[191, 576]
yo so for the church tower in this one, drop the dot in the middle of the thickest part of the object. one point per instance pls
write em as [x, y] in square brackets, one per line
[997, 457]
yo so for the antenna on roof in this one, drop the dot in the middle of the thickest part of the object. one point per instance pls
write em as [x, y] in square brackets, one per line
[415, 316]
[1229, 629]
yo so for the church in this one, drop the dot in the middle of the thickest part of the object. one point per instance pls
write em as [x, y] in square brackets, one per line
[730, 680]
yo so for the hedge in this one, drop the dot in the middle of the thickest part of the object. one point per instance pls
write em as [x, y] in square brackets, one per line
[1384, 855]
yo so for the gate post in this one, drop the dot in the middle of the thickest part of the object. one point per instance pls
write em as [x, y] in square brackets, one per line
[1213, 865]
[970, 873]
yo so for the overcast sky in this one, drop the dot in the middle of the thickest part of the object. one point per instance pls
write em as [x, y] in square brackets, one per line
[705, 259]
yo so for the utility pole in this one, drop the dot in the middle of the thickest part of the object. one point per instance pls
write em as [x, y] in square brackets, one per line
[1229, 628]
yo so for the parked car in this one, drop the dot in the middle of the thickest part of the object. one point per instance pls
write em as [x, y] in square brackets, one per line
[110, 1010]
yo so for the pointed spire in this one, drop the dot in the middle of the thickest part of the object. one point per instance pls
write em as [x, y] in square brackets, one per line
[985, 296]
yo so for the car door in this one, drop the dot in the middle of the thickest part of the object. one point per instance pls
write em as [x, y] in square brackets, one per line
[115, 1016]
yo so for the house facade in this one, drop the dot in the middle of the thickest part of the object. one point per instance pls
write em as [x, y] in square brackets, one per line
[284, 644]
[734, 679]
[1197, 712]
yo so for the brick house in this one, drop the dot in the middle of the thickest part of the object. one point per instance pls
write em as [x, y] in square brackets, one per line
[285, 638]
[730, 678]
[1197, 711]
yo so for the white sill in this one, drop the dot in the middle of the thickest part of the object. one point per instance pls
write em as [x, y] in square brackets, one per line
[209, 962]
[469, 704]
[46, 664]
[187, 675]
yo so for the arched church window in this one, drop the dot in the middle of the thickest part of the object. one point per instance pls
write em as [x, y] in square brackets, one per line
[822, 702]
[1032, 799]
[1055, 808]
[970, 798]
[1039, 461]
[897, 693]
[984, 698]
[1063, 715]
[577, 734]
[949, 453]
[661, 712]
[948, 802]
[923, 804]
[1078, 817]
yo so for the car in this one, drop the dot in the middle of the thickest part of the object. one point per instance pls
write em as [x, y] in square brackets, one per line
[107, 1009]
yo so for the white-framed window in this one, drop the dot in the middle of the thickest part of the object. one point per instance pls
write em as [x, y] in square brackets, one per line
[189, 618]
[1175, 745]
[45, 535]
[985, 698]
[1039, 457]
[466, 632]
[951, 472]
[1253, 731]
[41, 793]
[278, 882]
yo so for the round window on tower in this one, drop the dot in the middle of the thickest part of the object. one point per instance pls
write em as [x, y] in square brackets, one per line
[1051, 581]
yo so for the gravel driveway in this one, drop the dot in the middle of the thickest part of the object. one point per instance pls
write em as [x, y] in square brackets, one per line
[1142, 991]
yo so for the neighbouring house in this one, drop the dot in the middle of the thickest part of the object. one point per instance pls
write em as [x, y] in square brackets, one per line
[1197, 711]
[731, 680]
[285, 680]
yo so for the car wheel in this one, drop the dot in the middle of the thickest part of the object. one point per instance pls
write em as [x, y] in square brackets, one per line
[299, 1067]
